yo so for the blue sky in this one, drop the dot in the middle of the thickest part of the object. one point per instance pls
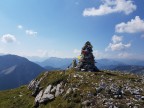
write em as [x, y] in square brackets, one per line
[59, 28]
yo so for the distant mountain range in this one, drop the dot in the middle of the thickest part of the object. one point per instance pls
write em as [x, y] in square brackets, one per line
[108, 64]
[16, 71]
[134, 66]
[63, 63]
[131, 66]
[55, 62]
[130, 69]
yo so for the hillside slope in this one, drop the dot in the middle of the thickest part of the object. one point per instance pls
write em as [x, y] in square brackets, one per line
[16, 71]
[72, 89]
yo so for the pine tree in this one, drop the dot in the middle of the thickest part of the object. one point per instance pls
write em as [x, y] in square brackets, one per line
[87, 61]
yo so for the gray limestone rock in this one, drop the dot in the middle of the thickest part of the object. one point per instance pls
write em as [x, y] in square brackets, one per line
[46, 97]
[53, 89]
[68, 91]
[86, 103]
[33, 84]
[38, 97]
[48, 89]
[58, 90]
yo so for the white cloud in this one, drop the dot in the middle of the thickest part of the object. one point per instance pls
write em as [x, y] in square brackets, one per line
[1, 51]
[20, 27]
[97, 54]
[76, 51]
[133, 26]
[8, 38]
[111, 6]
[116, 38]
[28, 31]
[124, 55]
[31, 32]
[117, 44]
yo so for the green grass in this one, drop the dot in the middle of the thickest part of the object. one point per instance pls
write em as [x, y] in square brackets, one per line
[16, 98]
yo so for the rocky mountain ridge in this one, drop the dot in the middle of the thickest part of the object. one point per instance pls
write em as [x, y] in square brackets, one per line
[74, 89]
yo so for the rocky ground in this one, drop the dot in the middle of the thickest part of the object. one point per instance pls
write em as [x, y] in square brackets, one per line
[86, 89]
[72, 89]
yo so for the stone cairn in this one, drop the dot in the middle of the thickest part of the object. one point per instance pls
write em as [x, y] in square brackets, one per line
[86, 59]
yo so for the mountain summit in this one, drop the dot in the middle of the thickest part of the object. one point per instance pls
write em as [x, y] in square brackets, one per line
[75, 89]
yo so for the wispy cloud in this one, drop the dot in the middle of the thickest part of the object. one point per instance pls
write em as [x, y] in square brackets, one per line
[124, 55]
[8, 38]
[117, 44]
[31, 32]
[27, 31]
[76, 51]
[117, 39]
[20, 27]
[97, 54]
[111, 6]
[133, 26]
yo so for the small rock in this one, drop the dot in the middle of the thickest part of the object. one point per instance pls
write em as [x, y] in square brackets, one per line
[86, 103]
[61, 91]
[68, 91]
[75, 76]
[138, 97]
[82, 69]
[46, 97]
[135, 92]
[129, 104]
[36, 91]
[20, 95]
[142, 97]
[53, 89]
[33, 84]
[38, 97]
[47, 90]
[58, 92]
[135, 107]
[103, 85]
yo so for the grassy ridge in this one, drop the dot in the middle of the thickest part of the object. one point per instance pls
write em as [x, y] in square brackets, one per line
[85, 84]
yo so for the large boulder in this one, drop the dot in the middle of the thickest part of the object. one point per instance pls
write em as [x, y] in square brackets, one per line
[45, 95]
